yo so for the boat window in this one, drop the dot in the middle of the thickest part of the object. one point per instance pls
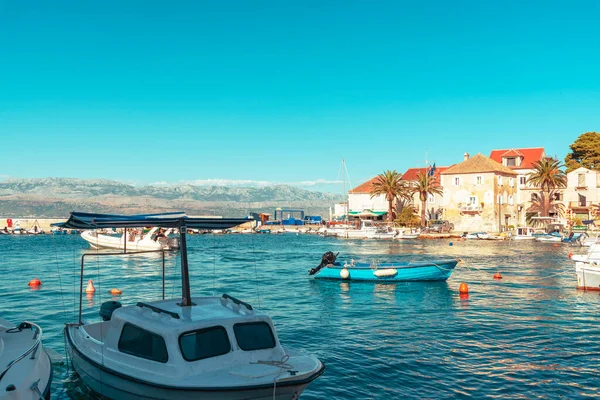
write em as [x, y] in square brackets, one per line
[254, 336]
[204, 343]
[142, 343]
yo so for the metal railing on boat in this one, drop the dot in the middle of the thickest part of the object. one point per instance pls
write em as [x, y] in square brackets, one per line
[32, 350]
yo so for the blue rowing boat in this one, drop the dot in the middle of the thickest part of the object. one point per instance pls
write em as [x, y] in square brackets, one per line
[429, 270]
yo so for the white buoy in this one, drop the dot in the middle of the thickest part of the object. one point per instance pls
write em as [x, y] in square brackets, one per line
[344, 273]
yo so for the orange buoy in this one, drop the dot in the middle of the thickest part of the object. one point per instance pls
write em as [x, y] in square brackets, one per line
[115, 291]
[35, 282]
[90, 287]
[497, 275]
[570, 255]
[463, 288]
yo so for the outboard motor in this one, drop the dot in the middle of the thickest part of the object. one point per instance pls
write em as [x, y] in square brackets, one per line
[107, 308]
[327, 259]
[173, 243]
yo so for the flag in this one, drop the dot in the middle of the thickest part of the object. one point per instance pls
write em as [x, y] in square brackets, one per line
[432, 170]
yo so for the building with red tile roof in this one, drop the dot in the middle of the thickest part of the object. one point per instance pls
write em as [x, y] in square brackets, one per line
[411, 173]
[364, 187]
[518, 158]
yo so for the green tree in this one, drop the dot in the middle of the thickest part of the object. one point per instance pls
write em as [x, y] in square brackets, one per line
[547, 176]
[389, 185]
[425, 185]
[408, 216]
[585, 152]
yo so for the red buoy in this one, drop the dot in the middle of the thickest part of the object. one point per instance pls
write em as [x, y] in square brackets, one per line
[570, 255]
[497, 275]
[463, 288]
[90, 287]
[35, 282]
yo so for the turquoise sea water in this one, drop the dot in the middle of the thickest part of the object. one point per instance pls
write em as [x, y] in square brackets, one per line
[531, 334]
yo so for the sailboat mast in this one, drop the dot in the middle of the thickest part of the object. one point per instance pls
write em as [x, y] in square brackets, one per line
[345, 205]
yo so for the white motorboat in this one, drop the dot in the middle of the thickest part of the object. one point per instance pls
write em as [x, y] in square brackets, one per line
[131, 240]
[407, 234]
[523, 233]
[35, 229]
[27, 368]
[384, 233]
[476, 235]
[366, 231]
[587, 268]
[549, 238]
[188, 348]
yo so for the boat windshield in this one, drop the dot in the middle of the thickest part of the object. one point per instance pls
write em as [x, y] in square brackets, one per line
[254, 336]
[204, 343]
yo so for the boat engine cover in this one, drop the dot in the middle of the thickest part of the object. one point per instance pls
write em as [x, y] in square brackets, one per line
[107, 308]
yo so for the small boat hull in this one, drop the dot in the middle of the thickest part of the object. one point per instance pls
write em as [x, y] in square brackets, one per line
[31, 376]
[588, 275]
[434, 270]
[100, 241]
[115, 385]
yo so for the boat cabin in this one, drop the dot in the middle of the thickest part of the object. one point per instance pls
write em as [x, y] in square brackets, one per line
[213, 334]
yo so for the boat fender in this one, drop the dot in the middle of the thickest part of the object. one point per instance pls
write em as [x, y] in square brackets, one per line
[107, 308]
[384, 273]
[344, 273]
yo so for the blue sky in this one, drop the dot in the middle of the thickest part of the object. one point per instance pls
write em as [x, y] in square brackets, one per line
[280, 91]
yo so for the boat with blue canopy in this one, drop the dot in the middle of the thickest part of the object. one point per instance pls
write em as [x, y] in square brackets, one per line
[411, 271]
[215, 347]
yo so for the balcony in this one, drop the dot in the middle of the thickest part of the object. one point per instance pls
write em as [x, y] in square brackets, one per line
[471, 209]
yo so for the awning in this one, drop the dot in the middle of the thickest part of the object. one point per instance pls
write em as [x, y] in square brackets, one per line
[79, 220]
[367, 213]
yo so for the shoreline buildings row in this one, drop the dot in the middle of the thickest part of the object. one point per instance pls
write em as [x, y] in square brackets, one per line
[483, 193]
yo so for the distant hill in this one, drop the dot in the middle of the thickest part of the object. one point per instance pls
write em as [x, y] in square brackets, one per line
[56, 197]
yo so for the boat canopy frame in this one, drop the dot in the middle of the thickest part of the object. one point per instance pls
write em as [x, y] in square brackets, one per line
[179, 220]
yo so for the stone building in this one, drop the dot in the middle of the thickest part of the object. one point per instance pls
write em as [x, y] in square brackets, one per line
[521, 161]
[480, 195]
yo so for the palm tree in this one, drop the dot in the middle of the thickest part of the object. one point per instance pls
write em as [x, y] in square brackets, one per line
[425, 185]
[543, 204]
[548, 177]
[389, 185]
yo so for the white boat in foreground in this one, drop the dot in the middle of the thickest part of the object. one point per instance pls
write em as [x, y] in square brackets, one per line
[27, 368]
[587, 269]
[189, 348]
[132, 240]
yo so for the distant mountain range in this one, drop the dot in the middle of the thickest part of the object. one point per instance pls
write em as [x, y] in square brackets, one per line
[56, 197]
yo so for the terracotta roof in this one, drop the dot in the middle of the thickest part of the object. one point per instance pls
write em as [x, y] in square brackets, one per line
[478, 163]
[411, 173]
[528, 156]
[365, 187]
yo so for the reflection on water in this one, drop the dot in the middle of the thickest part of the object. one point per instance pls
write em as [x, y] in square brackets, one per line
[530, 334]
